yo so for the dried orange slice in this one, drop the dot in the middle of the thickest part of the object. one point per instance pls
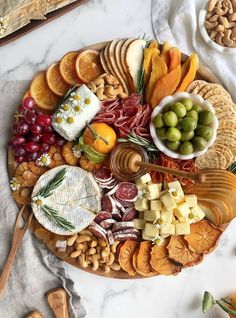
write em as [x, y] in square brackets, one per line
[126, 257]
[55, 81]
[161, 262]
[67, 68]
[88, 65]
[143, 259]
[204, 237]
[180, 253]
[43, 96]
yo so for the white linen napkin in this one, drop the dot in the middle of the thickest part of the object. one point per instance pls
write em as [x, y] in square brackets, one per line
[176, 21]
[35, 270]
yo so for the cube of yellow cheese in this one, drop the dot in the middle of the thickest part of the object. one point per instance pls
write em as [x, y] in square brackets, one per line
[150, 215]
[147, 237]
[155, 205]
[182, 228]
[191, 200]
[139, 224]
[167, 216]
[167, 229]
[145, 178]
[141, 204]
[177, 191]
[151, 230]
[182, 211]
[168, 201]
[197, 213]
[152, 191]
[158, 184]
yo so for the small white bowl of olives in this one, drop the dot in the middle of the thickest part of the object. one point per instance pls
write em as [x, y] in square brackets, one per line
[183, 126]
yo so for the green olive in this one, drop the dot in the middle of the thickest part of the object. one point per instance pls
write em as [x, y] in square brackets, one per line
[161, 133]
[198, 108]
[179, 109]
[173, 145]
[187, 102]
[188, 124]
[206, 117]
[192, 113]
[167, 107]
[205, 131]
[158, 121]
[187, 135]
[186, 148]
[173, 134]
[170, 119]
[199, 143]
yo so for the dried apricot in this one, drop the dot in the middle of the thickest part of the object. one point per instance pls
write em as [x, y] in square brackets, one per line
[204, 237]
[126, 256]
[67, 153]
[143, 259]
[180, 253]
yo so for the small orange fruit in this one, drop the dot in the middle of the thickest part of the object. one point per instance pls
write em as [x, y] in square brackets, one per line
[88, 65]
[101, 137]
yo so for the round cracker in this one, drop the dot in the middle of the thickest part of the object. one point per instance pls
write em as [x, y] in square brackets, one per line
[195, 84]
[227, 123]
[228, 154]
[207, 88]
[217, 99]
[227, 114]
[217, 91]
[212, 159]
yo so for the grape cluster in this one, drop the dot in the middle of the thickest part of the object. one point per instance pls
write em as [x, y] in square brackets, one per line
[32, 133]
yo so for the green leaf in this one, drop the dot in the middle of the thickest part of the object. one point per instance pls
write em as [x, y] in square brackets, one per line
[208, 301]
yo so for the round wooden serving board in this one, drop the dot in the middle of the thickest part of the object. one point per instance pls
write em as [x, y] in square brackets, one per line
[48, 238]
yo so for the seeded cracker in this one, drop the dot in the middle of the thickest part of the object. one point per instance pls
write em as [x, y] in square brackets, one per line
[211, 159]
[217, 91]
[194, 85]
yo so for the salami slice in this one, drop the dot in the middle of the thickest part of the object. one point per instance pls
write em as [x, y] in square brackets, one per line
[98, 231]
[107, 203]
[120, 226]
[110, 237]
[101, 216]
[124, 237]
[107, 224]
[126, 191]
[129, 214]
[103, 174]
[116, 215]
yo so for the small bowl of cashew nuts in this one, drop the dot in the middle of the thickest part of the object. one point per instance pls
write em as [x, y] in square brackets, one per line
[217, 24]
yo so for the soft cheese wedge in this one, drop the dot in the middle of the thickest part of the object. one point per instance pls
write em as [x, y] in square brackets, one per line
[77, 199]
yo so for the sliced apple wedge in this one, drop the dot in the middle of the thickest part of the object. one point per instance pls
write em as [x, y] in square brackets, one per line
[133, 61]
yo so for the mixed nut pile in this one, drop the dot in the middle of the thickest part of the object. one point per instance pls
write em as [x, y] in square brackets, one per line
[220, 22]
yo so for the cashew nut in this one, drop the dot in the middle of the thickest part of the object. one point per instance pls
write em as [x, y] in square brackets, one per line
[211, 5]
[82, 261]
[114, 246]
[105, 252]
[75, 254]
[213, 34]
[85, 232]
[213, 18]
[71, 240]
[96, 256]
[233, 35]
[83, 238]
[210, 25]
[220, 28]
[95, 264]
[79, 246]
[107, 269]
[115, 267]
[233, 3]
[92, 251]
[111, 80]
[93, 243]
[102, 242]
[85, 247]
[219, 37]
[111, 259]
[226, 38]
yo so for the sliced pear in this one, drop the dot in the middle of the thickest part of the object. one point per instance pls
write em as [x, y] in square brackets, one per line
[123, 52]
[104, 62]
[133, 61]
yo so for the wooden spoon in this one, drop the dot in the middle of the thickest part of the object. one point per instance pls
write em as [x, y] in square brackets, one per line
[57, 300]
[18, 235]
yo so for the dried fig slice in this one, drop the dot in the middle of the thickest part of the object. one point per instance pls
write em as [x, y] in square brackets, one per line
[180, 253]
[126, 256]
[68, 154]
[161, 262]
[25, 176]
[204, 237]
[56, 157]
[143, 265]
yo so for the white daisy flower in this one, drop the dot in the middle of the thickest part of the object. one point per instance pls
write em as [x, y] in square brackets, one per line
[77, 151]
[76, 99]
[14, 184]
[158, 240]
[44, 160]
[192, 217]
[37, 201]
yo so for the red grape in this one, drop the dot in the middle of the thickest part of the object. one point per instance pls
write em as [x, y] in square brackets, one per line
[18, 140]
[28, 103]
[32, 156]
[49, 138]
[32, 137]
[36, 129]
[10, 145]
[48, 129]
[59, 142]
[20, 151]
[20, 159]
[31, 146]
[22, 127]
[14, 128]
[30, 117]
[44, 120]
[43, 147]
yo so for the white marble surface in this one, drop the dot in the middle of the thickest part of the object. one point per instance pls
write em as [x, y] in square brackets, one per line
[167, 297]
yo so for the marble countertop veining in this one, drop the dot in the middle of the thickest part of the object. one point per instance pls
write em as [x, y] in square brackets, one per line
[167, 297]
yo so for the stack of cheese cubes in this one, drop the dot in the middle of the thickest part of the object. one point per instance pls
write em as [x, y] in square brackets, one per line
[164, 212]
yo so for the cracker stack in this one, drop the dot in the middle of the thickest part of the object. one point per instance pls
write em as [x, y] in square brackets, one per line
[223, 151]
[16, 14]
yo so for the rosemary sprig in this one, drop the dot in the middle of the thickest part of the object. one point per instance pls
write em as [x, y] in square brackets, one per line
[141, 87]
[47, 190]
[141, 141]
[232, 167]
[54, 216]
[225, 303]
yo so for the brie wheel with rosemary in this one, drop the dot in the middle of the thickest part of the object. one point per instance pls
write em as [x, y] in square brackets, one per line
[76, 200]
